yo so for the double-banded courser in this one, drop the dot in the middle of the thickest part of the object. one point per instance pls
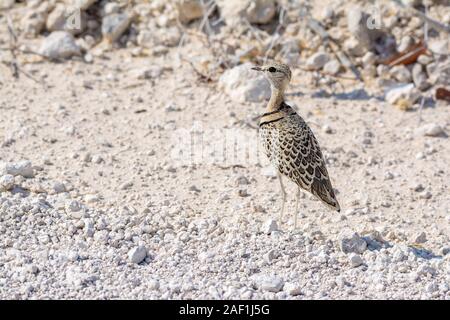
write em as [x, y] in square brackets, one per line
[290, 144]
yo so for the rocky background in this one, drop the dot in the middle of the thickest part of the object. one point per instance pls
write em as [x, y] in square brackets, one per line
[93, 205]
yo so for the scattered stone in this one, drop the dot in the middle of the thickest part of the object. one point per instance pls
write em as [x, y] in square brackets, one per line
[59, 187]
[402, 93]
[317, 61]
[292, 289]
[255, 11]
[56, 20]
[352, 242]
[114, 25]
[368, 59]
[269, 226]
[401, 73]
[270, 283]
[431, 130]
[332, 67]
[84, 4]
[6, 4]
[21, 168]
[189, 10]
[6, 182]
[34, 21]
[74, 209]
[355, 260]
[137, 254]
[420, 238]
[420, 77]
[153, 284]
[59, 45]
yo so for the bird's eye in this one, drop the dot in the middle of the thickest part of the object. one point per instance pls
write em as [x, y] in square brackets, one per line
[272, 69]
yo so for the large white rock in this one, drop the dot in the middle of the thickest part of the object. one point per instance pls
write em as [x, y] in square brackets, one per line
[255, 11]
[114, 25]
[245, 85]
[59, 45]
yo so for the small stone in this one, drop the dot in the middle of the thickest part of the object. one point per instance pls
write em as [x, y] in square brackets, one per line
[255, 11]
[368, 59]
[137, 254]
[425, 59]
[114, 25]
[74, 209]
[91, 198]
[6, 182]
[153, 284]
[431, 130]
[421, 238]
[354, 47]
[271, 283]
[425, 195]
[56, 20]
[420, 77]
[352, 242]
[404, 92]
[84, 4]
[317, 61]
[439, 46]
[59, 45]
[189, 10]
[292, 289]
[332, 67]
[6, 4]
[59, 187]
[417, 187]
[111, 7]
[88, 227]
[269, 226]
[33, 21]
[242, 180]
[355, 260]
[401, 73]
[327, 129]
[405, 43]
[271, 255]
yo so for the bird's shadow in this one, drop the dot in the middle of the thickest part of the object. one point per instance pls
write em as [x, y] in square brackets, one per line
[374, 244]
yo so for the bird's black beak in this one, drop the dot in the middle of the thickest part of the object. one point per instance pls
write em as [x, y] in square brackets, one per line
[257, 68]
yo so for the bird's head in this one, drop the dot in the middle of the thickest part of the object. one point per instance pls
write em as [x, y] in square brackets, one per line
[278, 74]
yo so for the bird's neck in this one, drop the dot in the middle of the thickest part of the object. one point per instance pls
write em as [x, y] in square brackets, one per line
[276, 98]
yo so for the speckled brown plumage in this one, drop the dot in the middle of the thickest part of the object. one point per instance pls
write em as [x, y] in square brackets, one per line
[293, 149]
[290, 144]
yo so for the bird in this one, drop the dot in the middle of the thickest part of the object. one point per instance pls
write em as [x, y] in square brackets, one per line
[290, 144]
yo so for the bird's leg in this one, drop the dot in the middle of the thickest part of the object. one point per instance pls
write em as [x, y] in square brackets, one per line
[296, 208]
[283, 195]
